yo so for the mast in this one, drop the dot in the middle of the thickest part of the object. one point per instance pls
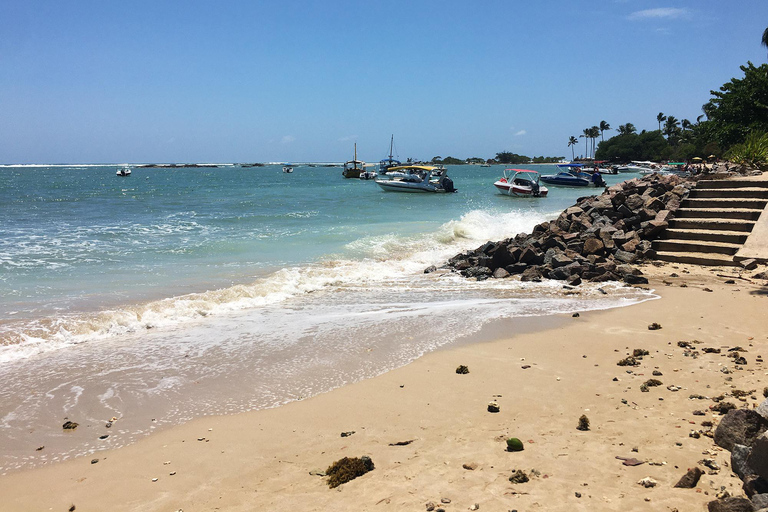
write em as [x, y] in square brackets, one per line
[391, 143]
[355, 159]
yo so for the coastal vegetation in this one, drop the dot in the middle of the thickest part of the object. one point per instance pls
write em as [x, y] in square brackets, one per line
[734, 125]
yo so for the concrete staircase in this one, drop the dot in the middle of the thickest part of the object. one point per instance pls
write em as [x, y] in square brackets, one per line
[713, 223]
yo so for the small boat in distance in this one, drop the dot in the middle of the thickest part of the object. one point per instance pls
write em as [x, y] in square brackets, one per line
[417, 178]
[353, 168]
[386, 164]
[287, 169]
[124, 171]
[521, 182]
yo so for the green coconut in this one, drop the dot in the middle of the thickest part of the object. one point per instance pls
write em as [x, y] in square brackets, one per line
[514, 445]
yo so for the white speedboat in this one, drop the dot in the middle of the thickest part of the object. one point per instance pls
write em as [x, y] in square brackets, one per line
[416, 178]
[124, 171]
[521, 182]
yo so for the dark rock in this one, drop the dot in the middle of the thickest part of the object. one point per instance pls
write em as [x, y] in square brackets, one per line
[462, 370]
[476, 272]
[583, 423]
[758, 457]
[69, 425]
[624, 256]
[500, 273]
[690, 479]
[749, 264]
[739, 426]
[739, 455]
[760, 501]
[754, 485]
[574, 280]
[531, 274]
[633, 279]
[518, 477]
[593, 246]
[430, 269]
[516, 268]
[654, 326]
[730, 504]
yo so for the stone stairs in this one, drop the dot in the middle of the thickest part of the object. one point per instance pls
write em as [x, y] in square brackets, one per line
[713, 223]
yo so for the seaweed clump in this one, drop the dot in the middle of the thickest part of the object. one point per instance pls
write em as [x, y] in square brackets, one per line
[346, 469]
[639, 352]
[462, 370]
[628, 361]
[583, 423]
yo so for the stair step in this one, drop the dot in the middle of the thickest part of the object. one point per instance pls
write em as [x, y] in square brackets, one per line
[714, 225]
[696, 246]
[747, 192]
[718, 213]
[703, 202]
[738, 183]
[729, 237]
[697, 258]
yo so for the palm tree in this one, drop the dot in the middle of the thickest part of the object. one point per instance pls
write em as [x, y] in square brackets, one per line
[660, 118]
[572, 142]
[686, 124]
[603, 127]
[765, 38]
[594, 133]
[586, 134]
[626, 129]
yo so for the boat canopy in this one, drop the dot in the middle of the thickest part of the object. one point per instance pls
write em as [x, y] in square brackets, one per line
[676, 163]
[570, 165]
[427, 168]
[521, 170]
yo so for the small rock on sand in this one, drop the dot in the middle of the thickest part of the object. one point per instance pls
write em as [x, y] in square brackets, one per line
[690, 479]
[647, 482]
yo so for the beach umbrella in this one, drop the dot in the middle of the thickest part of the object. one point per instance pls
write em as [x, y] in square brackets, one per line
[696, 159]
[711, 157]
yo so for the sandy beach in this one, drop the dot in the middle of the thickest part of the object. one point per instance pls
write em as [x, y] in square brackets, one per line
[452, 451]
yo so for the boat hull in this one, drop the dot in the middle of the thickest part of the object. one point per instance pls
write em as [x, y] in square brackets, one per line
[404, 186]
[518, 190]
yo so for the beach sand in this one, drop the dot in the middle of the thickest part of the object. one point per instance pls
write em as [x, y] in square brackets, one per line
[543, 382]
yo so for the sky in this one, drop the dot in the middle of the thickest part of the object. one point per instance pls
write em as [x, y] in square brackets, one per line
[298, 81]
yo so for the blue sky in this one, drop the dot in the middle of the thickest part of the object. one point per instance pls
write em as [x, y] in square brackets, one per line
[252, 81]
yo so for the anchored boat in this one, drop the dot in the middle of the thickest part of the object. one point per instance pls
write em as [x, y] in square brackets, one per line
[417, 178]
[521, 182]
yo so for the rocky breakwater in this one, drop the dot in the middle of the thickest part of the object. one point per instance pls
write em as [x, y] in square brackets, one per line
[597, 239]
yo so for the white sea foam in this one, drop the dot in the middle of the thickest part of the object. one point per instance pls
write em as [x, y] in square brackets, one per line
[385, 262]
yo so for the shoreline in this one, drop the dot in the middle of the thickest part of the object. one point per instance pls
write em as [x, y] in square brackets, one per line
[263, 459]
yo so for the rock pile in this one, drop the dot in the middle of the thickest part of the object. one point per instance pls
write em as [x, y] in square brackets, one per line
[744, 433]
[595, 240]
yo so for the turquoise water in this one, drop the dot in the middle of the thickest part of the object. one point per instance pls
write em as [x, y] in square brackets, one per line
[146, 295]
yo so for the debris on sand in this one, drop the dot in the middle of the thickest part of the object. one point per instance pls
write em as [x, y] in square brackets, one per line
[346, 469]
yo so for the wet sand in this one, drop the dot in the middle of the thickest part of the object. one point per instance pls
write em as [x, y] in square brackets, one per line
[543, 381]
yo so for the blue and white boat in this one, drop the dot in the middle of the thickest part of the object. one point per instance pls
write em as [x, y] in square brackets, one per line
[570, 175]
[386, 164]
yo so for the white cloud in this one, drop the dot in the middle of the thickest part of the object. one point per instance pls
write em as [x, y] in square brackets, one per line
[659, 13]
[521, 132]
[287, 139]
[348, 138]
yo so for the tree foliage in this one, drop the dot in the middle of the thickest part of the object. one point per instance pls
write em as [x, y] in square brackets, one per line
[739, 107]
[506, 157]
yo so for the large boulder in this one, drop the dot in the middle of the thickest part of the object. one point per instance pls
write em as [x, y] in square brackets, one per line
[739, 426]
[739, 456]
[758, 458]
[731, 504]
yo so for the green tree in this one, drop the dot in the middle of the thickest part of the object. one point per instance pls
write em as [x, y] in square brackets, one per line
[506, 157]
[604, 127]
[739, 108]
[672, 129]
[572, 142]
[661, 118]
[626, 129]
[765, 38]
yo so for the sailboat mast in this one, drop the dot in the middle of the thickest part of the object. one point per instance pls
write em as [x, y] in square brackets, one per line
[391, 143]
[355, 155]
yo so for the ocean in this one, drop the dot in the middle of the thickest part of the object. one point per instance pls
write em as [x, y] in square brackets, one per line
[177, 293]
